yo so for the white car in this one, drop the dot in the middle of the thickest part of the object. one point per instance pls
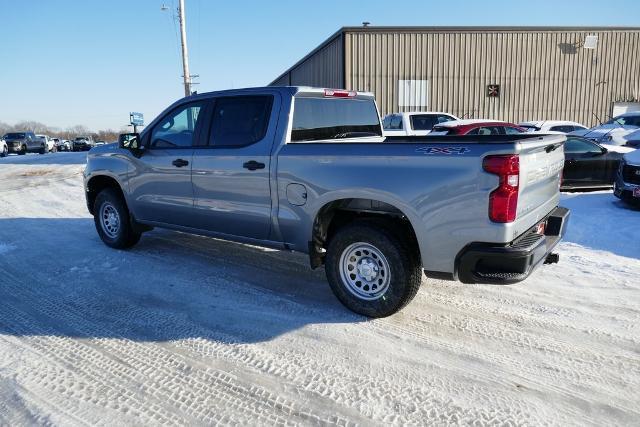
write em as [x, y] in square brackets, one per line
[563, 126]
[620, 130]
[4, 149]
[413, 123]
[51, 146]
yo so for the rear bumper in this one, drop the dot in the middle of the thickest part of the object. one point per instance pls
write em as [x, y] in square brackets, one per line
[512, 262]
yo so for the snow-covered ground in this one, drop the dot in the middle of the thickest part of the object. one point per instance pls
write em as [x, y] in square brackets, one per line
[190, 330]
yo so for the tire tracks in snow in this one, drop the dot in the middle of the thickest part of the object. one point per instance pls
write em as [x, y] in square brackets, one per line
[146, 366]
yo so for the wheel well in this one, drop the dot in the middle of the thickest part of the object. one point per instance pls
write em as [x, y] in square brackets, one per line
[96, 185]
[334, 215]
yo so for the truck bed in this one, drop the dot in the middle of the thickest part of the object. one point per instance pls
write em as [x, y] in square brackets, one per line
[438, 183]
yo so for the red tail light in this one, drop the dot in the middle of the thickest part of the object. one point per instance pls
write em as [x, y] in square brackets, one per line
[503, 201]
[340, 93]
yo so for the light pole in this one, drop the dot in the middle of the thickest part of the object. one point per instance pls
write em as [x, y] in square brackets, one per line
[185, 52]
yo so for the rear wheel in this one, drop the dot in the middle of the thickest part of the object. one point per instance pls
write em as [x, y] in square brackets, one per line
[5, 152]
[44, 149]
[23, 150]
[112, 220]
[372, 270]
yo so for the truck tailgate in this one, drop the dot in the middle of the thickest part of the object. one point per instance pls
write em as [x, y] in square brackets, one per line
[541, 164]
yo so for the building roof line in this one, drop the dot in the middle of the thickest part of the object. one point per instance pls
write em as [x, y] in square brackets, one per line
[321, 46]
[480, 28]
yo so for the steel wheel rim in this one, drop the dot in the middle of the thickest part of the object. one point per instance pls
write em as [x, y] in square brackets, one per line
[365, 271]
[109, 220]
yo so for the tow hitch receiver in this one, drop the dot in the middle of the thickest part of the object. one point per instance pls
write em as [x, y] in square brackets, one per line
[552, 258]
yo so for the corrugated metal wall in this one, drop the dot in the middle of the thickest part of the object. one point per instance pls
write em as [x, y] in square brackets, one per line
[542, 74]
[324, 68]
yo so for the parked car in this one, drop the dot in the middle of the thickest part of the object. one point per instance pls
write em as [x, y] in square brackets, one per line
[563, 126]
[51, 146]
[588, 164]
[65, 145]
[476, 127]
[620, 130]
[83, 143]
[4, 149]
[413, 123]
[319, 179]
[627, 183]
[24, 142]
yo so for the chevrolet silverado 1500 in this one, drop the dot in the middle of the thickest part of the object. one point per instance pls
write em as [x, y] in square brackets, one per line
[309, 170]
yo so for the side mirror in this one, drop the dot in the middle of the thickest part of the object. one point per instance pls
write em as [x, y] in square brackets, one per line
[131, 142]
[604, 150]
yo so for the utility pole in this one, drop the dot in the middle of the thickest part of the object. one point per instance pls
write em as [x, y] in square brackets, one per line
[185, 54]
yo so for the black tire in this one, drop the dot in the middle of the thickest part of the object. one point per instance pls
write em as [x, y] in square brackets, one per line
[23, 150]
[402, 260]
[44, 149]
[5, 152]
[125, 236]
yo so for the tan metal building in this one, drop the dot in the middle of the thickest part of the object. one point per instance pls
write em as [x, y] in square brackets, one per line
[507, 73]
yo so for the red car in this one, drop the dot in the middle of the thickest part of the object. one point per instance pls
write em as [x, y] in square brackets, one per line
[476, 127]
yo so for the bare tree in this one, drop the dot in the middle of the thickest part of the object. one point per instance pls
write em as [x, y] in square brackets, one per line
[108, 135]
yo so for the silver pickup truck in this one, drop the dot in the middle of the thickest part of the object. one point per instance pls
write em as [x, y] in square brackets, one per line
[308, 170]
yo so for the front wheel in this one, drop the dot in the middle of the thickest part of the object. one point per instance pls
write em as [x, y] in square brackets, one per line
[372, 270]
[112, 221]
[5, 152]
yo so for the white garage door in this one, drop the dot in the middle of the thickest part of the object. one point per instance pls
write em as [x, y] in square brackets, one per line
[413, 93]
[625, 107]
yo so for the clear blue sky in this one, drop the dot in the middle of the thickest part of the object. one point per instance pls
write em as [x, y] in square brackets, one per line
[90, 62]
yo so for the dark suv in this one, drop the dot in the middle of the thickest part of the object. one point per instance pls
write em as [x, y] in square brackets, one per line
[627, 185]
[83, 143]
[24, 142]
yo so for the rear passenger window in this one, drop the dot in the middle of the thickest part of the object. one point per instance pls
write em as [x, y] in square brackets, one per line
[239, 121]
[423, 121]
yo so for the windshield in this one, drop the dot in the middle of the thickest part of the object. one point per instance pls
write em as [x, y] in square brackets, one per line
[625, 121]
[82, 138]
[14, 136]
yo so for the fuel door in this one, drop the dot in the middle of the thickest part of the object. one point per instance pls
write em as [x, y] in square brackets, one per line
[297, 194]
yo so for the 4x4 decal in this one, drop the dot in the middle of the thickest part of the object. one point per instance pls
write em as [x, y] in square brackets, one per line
[442, 150]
